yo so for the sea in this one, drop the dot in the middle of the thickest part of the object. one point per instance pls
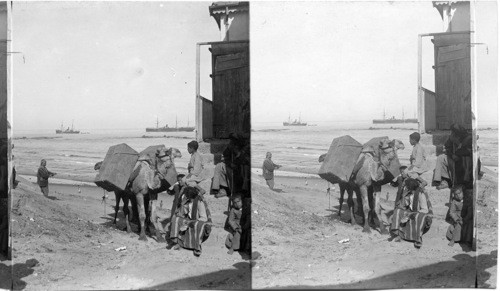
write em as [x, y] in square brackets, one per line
[297, 149]
[73, 156]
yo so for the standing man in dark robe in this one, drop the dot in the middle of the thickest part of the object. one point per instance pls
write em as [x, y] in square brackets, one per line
[42, 178]
[454, 167]
[227, 173]
[268, 168]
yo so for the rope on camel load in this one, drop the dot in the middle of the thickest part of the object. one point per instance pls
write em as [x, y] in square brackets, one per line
[328, 193]
[104, 197]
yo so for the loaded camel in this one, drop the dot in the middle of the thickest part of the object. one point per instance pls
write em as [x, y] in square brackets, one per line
[152, 174]
[370, 172]
[119, 196]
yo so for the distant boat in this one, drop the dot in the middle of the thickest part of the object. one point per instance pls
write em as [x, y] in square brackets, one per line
[166, 128]
[394, 120]
[67, 131]
[294, 123]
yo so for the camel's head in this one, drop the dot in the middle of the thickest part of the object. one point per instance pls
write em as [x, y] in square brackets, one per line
[388, 155]
[397, 144]
[387, 151]
[175, 153]
[167, 165]
[169, 154]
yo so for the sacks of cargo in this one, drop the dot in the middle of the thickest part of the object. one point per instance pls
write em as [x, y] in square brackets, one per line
[375, 143]
[117, 167]
[340, 160]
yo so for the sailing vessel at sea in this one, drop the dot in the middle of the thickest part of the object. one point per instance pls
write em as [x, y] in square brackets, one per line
[394, 120]
[166, 128]
[67, 131]
[294, 123]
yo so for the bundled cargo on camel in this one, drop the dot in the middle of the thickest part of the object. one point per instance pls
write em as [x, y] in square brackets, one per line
[117, 168]
[340, 160]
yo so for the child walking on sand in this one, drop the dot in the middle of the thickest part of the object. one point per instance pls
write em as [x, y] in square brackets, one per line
[233, 225]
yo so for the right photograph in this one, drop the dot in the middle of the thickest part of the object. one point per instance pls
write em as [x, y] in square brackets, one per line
[374, 144]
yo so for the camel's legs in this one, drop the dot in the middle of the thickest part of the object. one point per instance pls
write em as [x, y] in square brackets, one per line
[142, 215]
[118, 197]
[126, 212]
[147, 211]
[135, 212]
[176, 201]
[366, 208]
[350, 203]
[359, 201]
[342, 188]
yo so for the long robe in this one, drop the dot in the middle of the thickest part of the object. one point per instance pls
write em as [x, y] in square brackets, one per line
[419, 222]
[458, 171]
[268, 168]
[222, 177]
[42, 177]
[197, 231]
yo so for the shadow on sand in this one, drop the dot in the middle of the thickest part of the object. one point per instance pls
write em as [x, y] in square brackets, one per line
[5, 276]
[238, 278]
[460, 272]
[52, 197]
[344, 216]
[19, 271]
[121, 224]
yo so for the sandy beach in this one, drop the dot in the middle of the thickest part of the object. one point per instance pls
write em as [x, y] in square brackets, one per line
[304, 243]
[297, 233]
[68, 242]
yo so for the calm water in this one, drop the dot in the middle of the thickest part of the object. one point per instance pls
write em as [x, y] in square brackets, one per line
[77, 154]
[296, 148]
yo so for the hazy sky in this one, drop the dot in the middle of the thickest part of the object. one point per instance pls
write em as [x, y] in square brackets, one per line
[107, 65]
[348, 61]
[120, 65]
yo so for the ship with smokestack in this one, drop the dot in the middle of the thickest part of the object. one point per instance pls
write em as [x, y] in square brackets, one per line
[394, 120]
[294, 123]
[67, 131]
[166, 128]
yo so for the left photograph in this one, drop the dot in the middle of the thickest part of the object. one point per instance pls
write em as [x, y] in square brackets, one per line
[129, 144]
